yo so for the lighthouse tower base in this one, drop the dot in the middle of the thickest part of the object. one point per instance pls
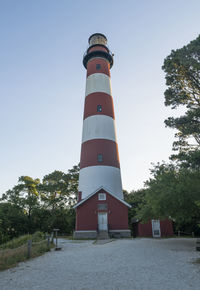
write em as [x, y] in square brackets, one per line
[101, 213]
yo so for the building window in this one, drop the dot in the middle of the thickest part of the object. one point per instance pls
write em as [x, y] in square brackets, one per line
[102, 196]
[99, 108]
[100, 158]
[98, 66]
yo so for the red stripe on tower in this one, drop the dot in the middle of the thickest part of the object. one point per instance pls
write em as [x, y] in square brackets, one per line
[99, 104]
[99, 65]
[99, 152]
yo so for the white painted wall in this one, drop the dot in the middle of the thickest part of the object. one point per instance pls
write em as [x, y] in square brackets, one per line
[93, 177]
[99, 127]
[98, 83]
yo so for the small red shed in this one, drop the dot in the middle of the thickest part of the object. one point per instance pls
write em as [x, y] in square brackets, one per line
[154, 228]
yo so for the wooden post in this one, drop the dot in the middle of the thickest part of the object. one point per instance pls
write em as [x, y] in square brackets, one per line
[29, 249]
[52, 237]
[48, 242]
[56, 239]
[198, 245]
[179, 233]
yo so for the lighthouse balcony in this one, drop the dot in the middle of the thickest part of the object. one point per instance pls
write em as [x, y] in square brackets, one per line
[100, 51]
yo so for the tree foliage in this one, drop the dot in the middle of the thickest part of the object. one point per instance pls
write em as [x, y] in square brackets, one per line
[25, 196]
[13, 221]
[32, 205]
[173, 192]
[137, 201]
[182, 68]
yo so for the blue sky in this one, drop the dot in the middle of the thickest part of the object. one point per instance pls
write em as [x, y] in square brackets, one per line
[42, 81]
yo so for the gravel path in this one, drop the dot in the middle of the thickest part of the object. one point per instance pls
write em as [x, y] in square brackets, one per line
[120, 264]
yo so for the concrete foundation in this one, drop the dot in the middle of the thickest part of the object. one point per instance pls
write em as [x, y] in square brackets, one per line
[117, 234]
[85, 234]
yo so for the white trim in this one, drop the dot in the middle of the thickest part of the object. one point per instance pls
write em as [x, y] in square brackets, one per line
[101, 196]
[83, 200]
[98, 127]
[93, 177]
[98, 82]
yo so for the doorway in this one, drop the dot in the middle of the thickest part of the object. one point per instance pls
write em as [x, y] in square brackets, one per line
[102, 221]
[156, 228]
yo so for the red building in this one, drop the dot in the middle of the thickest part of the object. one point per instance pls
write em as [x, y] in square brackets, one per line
[101, 206]
[153, 228]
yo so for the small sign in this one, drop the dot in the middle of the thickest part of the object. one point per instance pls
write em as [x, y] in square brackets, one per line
[102, 206]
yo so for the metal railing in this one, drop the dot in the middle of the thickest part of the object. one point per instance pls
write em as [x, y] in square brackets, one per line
[179, 233]
[108, 52]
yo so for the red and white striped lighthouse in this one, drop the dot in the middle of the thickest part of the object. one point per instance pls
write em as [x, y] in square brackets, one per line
[100, 207]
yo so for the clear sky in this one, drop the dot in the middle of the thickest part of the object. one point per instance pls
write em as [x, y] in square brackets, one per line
[42, 81]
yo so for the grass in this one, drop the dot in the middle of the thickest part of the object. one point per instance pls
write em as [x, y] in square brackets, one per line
[15, 251]
[70, 237]
[17, 242]
[197, 261]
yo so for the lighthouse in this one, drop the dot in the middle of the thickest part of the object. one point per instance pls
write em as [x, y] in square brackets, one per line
[101, 209]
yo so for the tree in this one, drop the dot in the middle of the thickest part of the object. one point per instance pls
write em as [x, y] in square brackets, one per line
[31, 205]
[182, 68]
[73, 184]
[137, 200]
[173, 192]
[13, 221]
[54, 190]
[58, 192]
[25, 196]
[59, 189]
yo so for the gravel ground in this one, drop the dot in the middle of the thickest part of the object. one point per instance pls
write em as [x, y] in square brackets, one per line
[120, 264]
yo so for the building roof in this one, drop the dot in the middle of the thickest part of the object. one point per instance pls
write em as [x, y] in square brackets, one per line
[93, 193]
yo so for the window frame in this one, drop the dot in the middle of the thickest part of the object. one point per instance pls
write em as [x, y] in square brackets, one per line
[100, 158]
[99, 108]
[98, 66]
[101, 196]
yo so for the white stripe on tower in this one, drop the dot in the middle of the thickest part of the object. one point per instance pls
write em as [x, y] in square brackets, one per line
[98, 82]
[98, 127]
[110, 176]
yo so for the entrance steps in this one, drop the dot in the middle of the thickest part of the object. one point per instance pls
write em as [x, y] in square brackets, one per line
[103, 235]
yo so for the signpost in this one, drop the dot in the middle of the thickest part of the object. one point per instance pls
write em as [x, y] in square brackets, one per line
[56, 234]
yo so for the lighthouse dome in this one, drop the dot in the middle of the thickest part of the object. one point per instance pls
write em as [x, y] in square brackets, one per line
[97, 38]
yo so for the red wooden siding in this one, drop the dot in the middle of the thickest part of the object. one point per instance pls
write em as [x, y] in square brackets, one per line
[87, 213]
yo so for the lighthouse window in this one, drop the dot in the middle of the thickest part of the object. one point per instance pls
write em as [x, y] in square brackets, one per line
[98, 66]
[100, 158]
[99, 108]
[102, 196]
